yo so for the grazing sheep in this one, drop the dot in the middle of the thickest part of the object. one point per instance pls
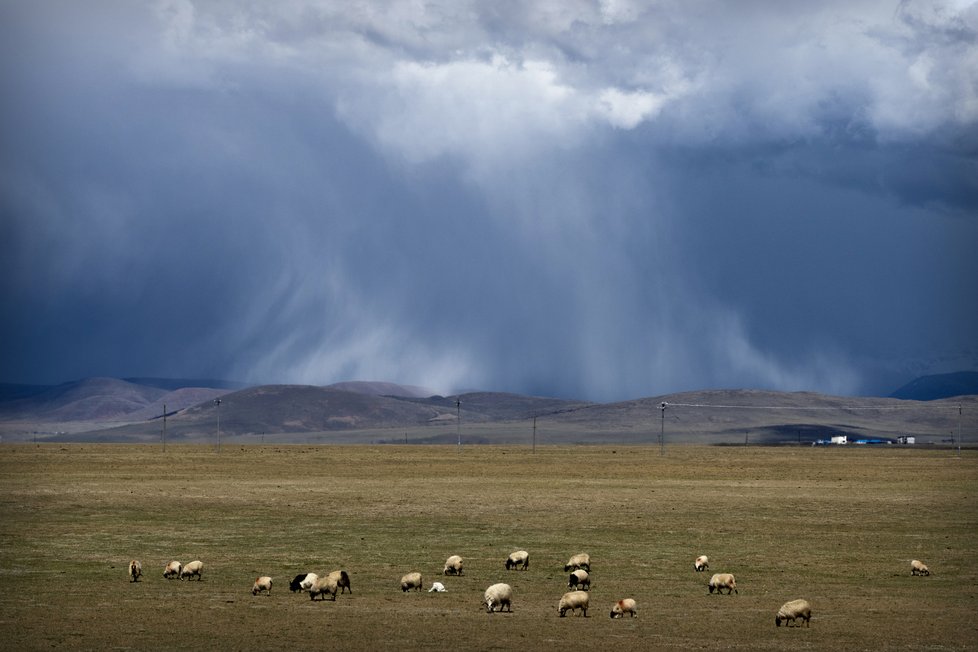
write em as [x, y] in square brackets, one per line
[453, 565]
[918, 567]
[622, 607]
[296, 584]
[701, 563]
[723, 581]
[437, 587]
[194, 568]
[263, 583]
[794, 609]
[574, 600]
[342, 580]
[323, 586]
[582, 560]
[579, 579]
[172, 570]
[518, 560]
[135, 570]
[308, 581]
[412, 581]
[498, 595]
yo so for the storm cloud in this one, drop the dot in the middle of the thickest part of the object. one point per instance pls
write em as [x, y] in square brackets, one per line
[598, 200]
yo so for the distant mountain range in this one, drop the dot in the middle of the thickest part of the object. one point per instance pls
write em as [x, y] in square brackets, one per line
[110, 409]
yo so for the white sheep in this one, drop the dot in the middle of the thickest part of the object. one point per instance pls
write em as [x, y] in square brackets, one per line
[135, 570]
[723, 581]
[622, 607]
[582, 560]
[263, 583]
[323, 586]
[701, 563]
[918, 567]
[342, 580]
[412, 581]
[308, 581]
[579, 579]
[437, 587]
[794, 609]
[498, 595]
[518, 560]
[172, 570]
[453, 565]
[574, 600]
[194, 568]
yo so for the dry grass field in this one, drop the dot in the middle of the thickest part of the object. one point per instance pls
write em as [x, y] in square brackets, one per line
[838, 526]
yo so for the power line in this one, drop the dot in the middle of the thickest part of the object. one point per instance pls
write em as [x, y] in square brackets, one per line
[811, 408]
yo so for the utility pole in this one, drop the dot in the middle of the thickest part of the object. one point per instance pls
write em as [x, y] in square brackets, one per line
[458, 422]
[959, 430]
[217, 402]
[534, 434]
[662, 429]
[163, 436]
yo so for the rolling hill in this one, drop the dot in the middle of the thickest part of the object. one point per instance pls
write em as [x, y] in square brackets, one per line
[105, 409]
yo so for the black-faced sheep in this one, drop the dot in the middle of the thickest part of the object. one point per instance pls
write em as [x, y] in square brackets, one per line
[342, 579]
[412, 581]
[579, 579]
[135, 570]
[296, 584]
[172, 570]
[622, 607]
[722, 581]
[322, 587]
[792, 610]
[308, 581]
[518, 560]
[701, 563]
[453, 565]
[572, 601]
[263, 583]
[498, 595]
[582, 560]
[918, 567]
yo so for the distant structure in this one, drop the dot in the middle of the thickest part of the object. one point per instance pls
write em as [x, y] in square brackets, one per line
[906, 439]
[841, 440]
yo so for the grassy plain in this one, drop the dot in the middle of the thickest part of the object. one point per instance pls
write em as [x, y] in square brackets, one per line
[838, 526]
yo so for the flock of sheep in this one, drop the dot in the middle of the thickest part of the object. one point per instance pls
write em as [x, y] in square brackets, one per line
[500, 596]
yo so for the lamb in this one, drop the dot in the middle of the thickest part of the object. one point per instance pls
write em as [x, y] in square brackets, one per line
[574, 600]
[579, 579]
[498, 595]
[518, 560]
[296, 584]
[172, 570]
[437, 587]
[583, 560]
[701, 563]
[194, 568]
[918, 567]
[412, 581]
[308, 581]
[322, 587]
[342, 580]
[135, 570]
[723, 581]
[794, 609]
[626, 605]
[263, 583]
[453, 565]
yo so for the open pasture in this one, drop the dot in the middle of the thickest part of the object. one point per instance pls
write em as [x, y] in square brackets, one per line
[836, 526]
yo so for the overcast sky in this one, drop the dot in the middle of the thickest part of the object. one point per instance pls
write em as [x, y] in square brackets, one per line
[599, 200]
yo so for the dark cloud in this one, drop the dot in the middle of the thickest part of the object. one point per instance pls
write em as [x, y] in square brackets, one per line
[600, 201]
